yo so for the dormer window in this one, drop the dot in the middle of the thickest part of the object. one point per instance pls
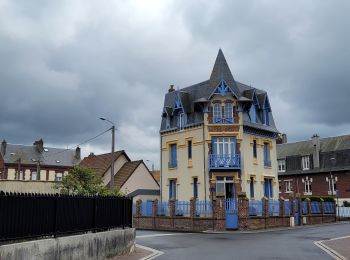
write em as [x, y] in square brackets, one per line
[228, 113]
[265, 118]
[305, 163]
[252, 113]
[217, 115]
[180, 120]
[167, 122]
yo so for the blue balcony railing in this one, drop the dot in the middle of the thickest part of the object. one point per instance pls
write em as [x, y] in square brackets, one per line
[224, 161]
[267, 163]
[223, 120]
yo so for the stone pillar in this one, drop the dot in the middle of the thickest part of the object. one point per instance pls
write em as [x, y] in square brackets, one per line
[243, 211]
[138, 208]
[300, 207]
[265, 207]
[192, 211]
[292, 208]
[172, 212]
[322, 209]
[282, 212]
[154, 213]
[220, 213]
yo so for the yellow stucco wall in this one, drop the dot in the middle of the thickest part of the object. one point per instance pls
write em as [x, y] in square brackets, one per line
[255, 168]
[186, 169]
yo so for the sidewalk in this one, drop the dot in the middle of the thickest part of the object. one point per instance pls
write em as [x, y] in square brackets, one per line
[139, 253]
[341, 246]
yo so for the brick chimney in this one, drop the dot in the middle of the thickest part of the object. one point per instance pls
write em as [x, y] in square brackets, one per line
[3, 147]
[39, 144]
[78, 153]
[316, 150]
[171, 89]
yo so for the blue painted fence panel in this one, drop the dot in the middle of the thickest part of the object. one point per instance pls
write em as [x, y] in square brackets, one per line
[315, 207]
[328, 207]
[343, 212]
[182, 208]
[287, 208]
[304, 207]
[255, 208]
[163, 208]
[274, 207]
[204, 208]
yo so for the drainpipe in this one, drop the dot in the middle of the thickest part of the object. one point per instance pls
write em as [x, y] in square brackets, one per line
[204, 163]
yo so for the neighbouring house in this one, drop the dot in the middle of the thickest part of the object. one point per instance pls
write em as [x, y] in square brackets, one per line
[218, 138]
[34, 168]
[133, 178]
[315, 167]
[156, 175]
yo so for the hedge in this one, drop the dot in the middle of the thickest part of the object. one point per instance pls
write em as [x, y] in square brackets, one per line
[318, 198]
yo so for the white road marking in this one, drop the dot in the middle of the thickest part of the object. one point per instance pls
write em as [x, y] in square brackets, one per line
[329, 251]
[161, 235]
[155, 253]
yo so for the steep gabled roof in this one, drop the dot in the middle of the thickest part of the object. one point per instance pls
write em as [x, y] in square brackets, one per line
[101, 163]
[221, 71]
[125, 172]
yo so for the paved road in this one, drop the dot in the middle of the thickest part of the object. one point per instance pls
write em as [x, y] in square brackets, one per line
[283, 244]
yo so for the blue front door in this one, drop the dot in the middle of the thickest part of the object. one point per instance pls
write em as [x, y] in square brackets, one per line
[231, 208]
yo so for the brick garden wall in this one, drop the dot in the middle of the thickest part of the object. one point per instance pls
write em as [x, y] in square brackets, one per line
[193, 223]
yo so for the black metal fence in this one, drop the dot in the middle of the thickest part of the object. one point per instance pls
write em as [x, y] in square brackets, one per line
[36, 215]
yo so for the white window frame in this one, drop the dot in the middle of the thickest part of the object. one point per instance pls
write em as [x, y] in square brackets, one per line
[281, 165]
[228, 111]
[288, 184]
[225, 143]
[57, 178]
[217, 112]
[222, 183]
[305, 163]
[34, 174]
[332, 190]
[307, 185]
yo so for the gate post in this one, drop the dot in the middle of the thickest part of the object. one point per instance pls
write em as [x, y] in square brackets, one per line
[308, 201]
[292, 210]
[243, 211]
[154, 213]
[300, 209]
[192, 211]
[281, 201]
[265, 209]
[137, 213]
[322, 209]
[220, 212]
[172, 212]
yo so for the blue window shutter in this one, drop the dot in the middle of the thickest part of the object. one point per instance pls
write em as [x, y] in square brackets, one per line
[195, 188]
[251, 188]
[270, 184]
[265, 188]
[170, 189]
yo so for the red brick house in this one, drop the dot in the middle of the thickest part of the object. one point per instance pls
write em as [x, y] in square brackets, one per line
[316, 167]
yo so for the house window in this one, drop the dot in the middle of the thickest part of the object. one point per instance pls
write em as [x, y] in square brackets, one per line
[19, 176]
[172, 189]
[59, 176]
[189, 149]
[288, 184]
[267, 161]
[332, 185]
[252, 113]
[224, 145]
[307, 185]
[173, 156]
[195, 187]
[181, 120]
[251, 187]
[228, 113]
[34, 176]
[217, 113]
[167, 122]
[305, 162]
[268, 192]
[265, 116]
[281, 165]
[255, 154]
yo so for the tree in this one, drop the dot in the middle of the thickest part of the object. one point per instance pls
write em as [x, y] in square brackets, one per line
[84, 181]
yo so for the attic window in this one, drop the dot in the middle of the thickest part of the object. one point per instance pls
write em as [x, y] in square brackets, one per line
[12, 153]
[46, 150]
[58, 161]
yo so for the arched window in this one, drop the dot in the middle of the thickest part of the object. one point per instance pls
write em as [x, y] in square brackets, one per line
[252, 113]
[228, 113]
[217, 114]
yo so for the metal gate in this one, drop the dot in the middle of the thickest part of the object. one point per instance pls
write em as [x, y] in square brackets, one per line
[231, 207]
[297, 212]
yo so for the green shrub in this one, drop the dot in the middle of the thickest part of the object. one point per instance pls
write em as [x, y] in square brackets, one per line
[318, 198]
[346, 203]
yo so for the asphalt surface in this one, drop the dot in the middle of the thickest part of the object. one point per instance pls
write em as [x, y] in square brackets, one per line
[295, 243]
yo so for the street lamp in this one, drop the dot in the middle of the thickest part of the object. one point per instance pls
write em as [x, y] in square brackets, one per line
[111, 183]
[151, 164]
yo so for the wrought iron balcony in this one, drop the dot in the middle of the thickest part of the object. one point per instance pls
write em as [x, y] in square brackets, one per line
[224, 161]
[267, 163]
[222, 120]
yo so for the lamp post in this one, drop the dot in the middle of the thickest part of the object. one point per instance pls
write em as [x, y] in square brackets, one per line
[111, 183]
[151, 164]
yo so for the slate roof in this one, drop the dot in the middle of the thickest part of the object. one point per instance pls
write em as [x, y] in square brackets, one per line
[100, 163]
[327, 144]
[200, 93]
[29, 154]
[144, 192]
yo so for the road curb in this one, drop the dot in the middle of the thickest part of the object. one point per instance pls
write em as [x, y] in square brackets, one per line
[155, 253]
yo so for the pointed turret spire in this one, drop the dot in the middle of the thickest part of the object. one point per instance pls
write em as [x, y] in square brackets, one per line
[221, 71]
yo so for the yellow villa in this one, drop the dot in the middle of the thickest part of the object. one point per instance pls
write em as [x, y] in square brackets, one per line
[218, 138]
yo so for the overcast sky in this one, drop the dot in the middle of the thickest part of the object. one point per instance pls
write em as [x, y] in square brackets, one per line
[64, 64]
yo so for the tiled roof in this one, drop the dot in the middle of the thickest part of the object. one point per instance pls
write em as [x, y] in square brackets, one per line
[201, 92]
[328, 144]
[100, 163]
[156, 175]
[29, 154]
[125, 172]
